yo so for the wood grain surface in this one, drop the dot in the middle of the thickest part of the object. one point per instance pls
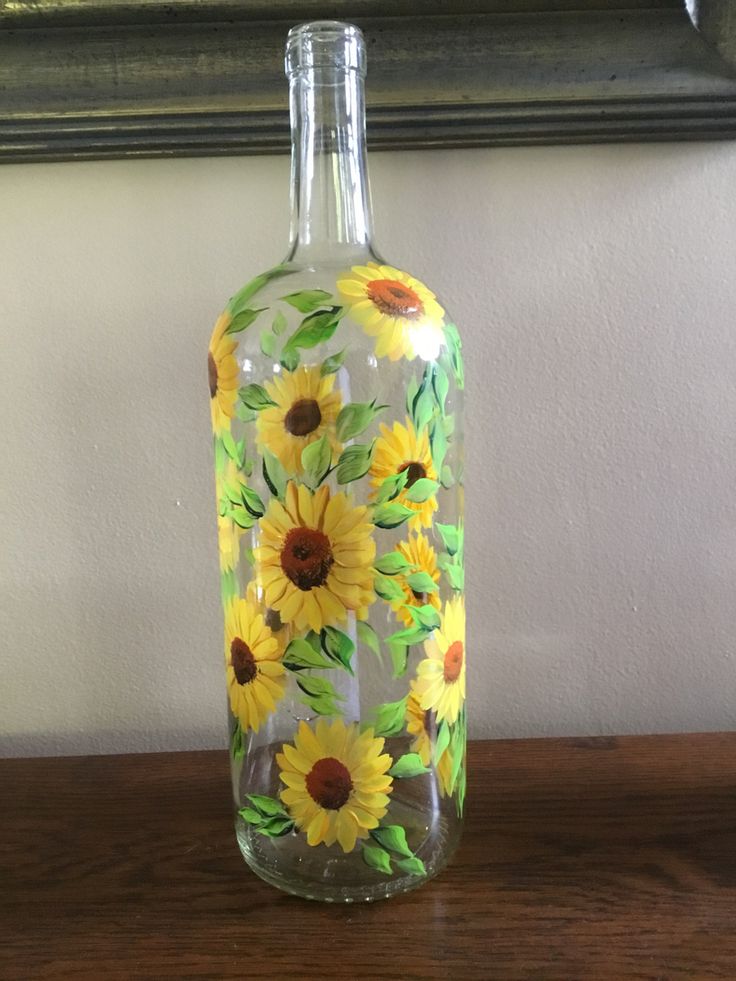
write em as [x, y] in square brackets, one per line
[582, 859]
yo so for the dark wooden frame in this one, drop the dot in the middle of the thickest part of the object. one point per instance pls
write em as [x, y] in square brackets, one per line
[107, 78]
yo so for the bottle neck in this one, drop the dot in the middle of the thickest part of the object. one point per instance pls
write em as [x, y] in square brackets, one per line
[330, 197]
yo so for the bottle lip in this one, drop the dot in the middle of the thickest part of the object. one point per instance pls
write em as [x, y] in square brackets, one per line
[328, 44]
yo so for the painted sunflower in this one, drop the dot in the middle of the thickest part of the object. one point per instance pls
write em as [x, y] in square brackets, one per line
[315, 558]
[398, 310]
[441, 675]
[422, 725]
[422, 557]
[223, 373]
[306, 409]
[256, 678]
[399, 449]
[337, 786]
[283, 632]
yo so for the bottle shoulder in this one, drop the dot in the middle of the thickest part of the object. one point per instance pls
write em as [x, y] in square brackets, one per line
[294, 306]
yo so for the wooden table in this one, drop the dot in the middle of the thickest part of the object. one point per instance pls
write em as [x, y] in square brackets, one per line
[583, 859]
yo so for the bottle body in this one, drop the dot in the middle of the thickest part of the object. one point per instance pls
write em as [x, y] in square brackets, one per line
[336, 399]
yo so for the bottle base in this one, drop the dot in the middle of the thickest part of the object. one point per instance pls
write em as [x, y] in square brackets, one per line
[328, 875]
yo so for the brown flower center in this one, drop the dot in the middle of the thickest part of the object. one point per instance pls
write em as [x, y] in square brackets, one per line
[329, 783]
[243, 662]
[395, 298]
[453, 661]
[306, 557]
[421, 598]
[273, 620]
[212, 374]
[416, 472]
[303, 417]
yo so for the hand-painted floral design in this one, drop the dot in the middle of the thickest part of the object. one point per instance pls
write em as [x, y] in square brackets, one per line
[441, 675]
[255, 674]
[315, 558]
[341, 539]
[306, 409]
[398, 310]
[421, 558]
[222, 371]
[336, 780]
[399, 450]
[422, 725]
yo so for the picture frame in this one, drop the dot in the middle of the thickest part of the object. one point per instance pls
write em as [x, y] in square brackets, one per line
[91, 79]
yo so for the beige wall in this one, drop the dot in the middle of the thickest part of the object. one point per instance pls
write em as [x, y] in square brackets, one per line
[597, 292]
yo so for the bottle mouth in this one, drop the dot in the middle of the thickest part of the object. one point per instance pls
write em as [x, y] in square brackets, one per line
[325, 44]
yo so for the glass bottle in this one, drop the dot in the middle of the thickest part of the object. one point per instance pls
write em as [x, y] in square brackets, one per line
[336, 388]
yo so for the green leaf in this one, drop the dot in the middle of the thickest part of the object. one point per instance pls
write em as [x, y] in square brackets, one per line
[356, 417]
[387, 589]
[236, 743]
[243, 319]
[279, 324]
[251, 816]
[461, 783]
[268, 342]
[252, 502]
[338, 647]
[424, 616]
[274, 474]
[268, 806]
[313, 330]
[392, 486]
[377, 858]
[408, 636]
[399, 659]
[456, 576]
[228, 585]
[276, 827]
[332, 364]
[392, 563]
[423, 406]
[229, 446]
[354, 462]
[443, 741]
[391, 515]
[413, 865]
[241, 298]
[441, 385]
[255, 397]
[392, 837]
[457, 751]
[450, 537]
[421, 490]
[307, 300]
[388, 719]
[368, 636]
[408, 765]
[317, 687]
[243, 413]
[446, 478]
[421, 582]
[242, 518]
[300, 655]
[289, 359]
[454, 348]
[438, 446]
[322, 704]
[316, 460]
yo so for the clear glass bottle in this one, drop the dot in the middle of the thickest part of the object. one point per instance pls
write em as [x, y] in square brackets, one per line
[336, 389]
